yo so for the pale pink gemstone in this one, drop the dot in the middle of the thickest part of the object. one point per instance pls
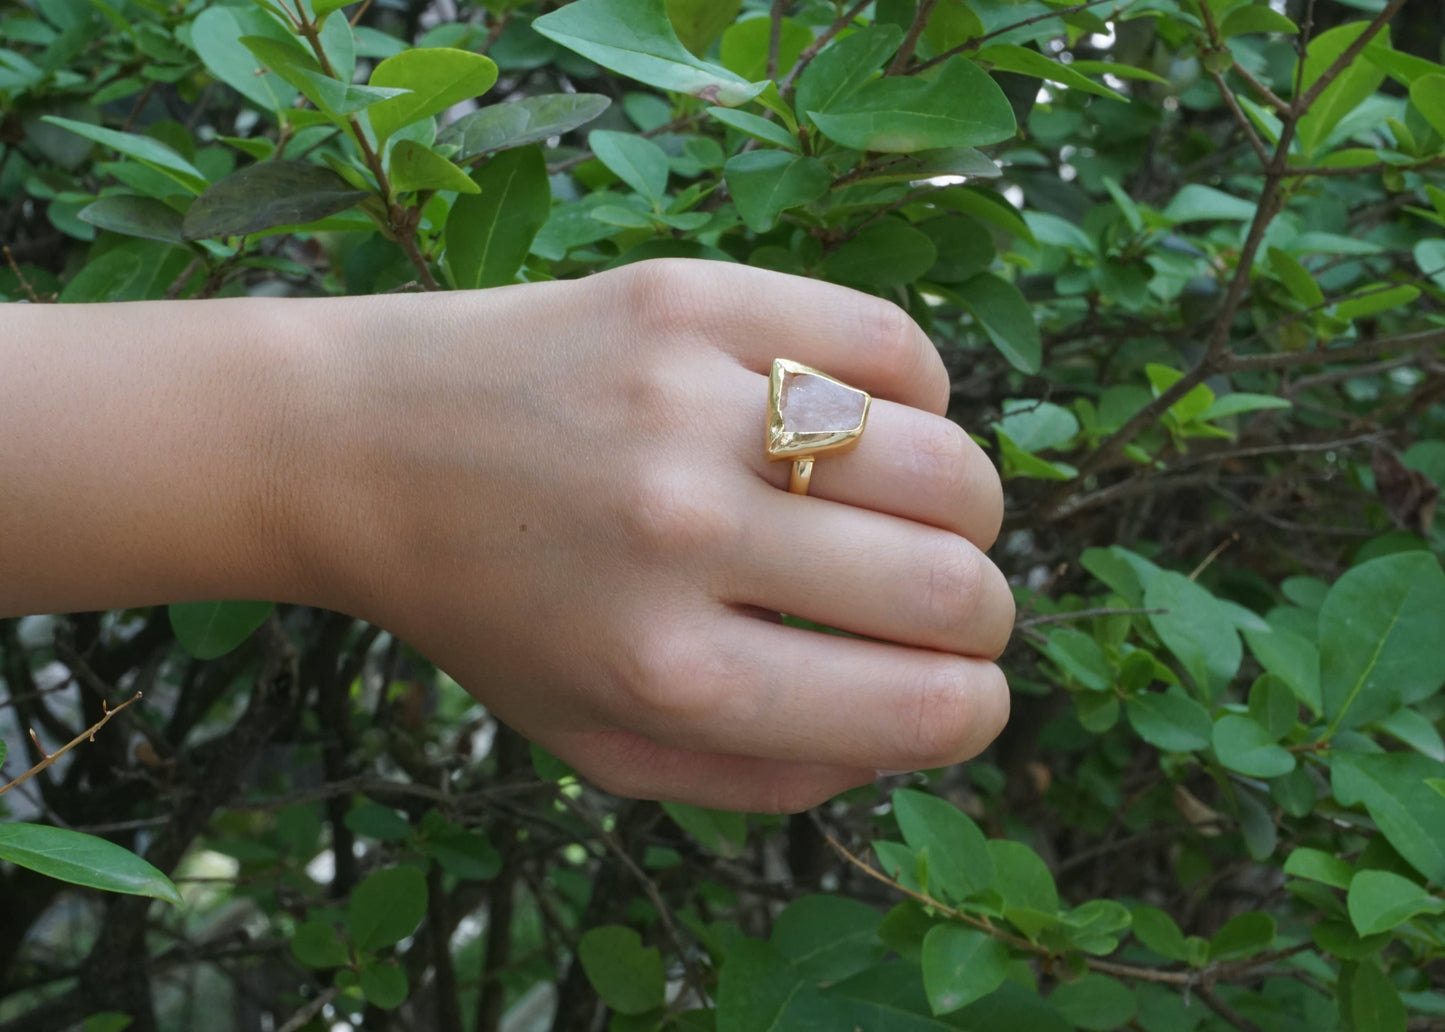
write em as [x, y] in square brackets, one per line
[812, 404]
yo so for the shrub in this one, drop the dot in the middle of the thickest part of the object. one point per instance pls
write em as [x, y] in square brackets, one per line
[1183, 258]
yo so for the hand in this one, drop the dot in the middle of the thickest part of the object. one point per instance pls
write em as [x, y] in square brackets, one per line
[558, 492]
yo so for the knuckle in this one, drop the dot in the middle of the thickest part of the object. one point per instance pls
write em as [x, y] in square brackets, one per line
[664, 295]
[892, 336]
[936, 722]
[675, 684]
[951, 594]
[941, 452]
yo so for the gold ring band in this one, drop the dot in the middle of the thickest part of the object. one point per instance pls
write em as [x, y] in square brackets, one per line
[809, 414]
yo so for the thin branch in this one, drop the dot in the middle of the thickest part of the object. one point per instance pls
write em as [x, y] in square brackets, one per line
[1337, 67]
[303, 1017]
[1245, 125]
[978, 41]
[899, 64]
[1083, 614]
[694, 981]
[775, 35]
[785, 86]
[88, 735]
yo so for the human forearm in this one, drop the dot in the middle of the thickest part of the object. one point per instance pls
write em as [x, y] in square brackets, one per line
[141, 447]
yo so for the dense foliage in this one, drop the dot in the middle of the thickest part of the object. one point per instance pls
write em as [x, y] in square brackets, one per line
[1185, 259]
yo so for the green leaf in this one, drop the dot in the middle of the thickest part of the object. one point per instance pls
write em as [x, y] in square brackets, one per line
[961, 861]
[415, 167]
[699, 23]
[489, 234]
[387, 907]
[1292, 658]
[1023, 880]
[1195, 628]
[1158, 932]
[1013, 58]
[1244, 935]
[134, 216]
[635, 160]
[901, 114]
[373, 820]
[210, 629]
[765, 183]
[756, 127]
[518, 122]
[1036, 425]
[961, 965]
[843, 66]
[828, 938]
[1415, 730]
[1379, 901]
[999, 307]
[384, 985]
[316, 945]
[888, 252]
[745, 45]
[1379, 630]
[148, 151]
[1357, 82]
[468, 855]
[331, 96]
[1427, 93]
[719, 831]
[1238, 402]
[1199, 203]
[1126, 203]
[627, 975]
[266, 195]
[1374, 298]
[437, 78]
[1253, 18]
[80, 859]
[1296, 278]
[1244, 746]
[1317, 865]
[108, 1021]
[1170, 720]
[635, 38]
[321, 8]
[1080, 655]
[1374, 1001]
[1394, 791]
[214, 35]
[759, 989]
[1095, 1002]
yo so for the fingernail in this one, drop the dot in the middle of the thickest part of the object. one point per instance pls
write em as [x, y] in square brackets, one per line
[890, 773]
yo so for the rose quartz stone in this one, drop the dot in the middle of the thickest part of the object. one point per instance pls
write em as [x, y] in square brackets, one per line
[812, 404]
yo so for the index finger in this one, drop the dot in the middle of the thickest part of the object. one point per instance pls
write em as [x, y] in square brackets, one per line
[758, 315]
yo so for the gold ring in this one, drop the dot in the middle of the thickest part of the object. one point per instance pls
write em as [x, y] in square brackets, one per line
[810, 413]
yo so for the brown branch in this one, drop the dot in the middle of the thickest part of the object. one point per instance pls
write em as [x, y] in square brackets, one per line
[24, 283]
[1302, 104]
[775, 35]
[693, 981]
[1083, 614]
[899, 64]
[1200, 979]
[1241, 118]
[785, 86]
[88, 735]
[1225, 1011]
[303, 1017]
[978, 41]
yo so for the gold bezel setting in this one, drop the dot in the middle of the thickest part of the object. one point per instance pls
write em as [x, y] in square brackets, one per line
[787, 444]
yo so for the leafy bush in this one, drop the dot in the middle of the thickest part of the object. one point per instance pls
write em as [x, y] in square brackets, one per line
[1183, 258]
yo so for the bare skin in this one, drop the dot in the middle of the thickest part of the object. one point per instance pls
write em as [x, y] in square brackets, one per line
[558, 493]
